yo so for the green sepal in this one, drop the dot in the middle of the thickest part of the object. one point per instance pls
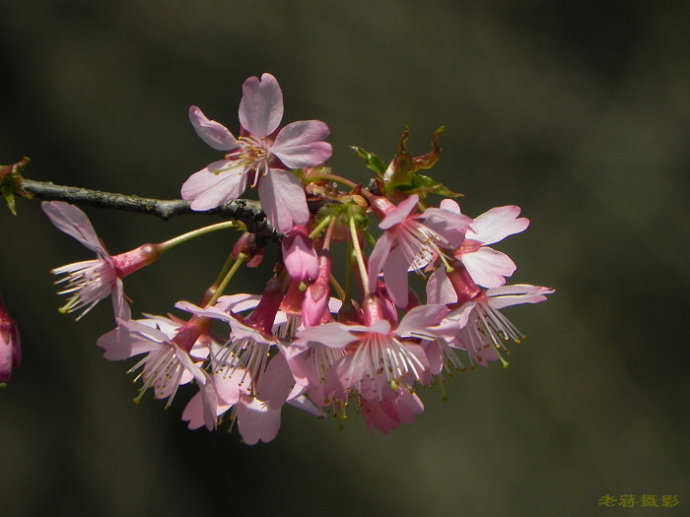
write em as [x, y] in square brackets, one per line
[423, 185]
[10, 183]
[372, 161]
[8, 194]
[402, 173]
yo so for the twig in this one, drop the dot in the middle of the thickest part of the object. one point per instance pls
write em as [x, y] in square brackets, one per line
[247, 211]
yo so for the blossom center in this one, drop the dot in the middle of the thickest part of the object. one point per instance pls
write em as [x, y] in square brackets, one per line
[254, 154]
[378, 357]
[86, 283]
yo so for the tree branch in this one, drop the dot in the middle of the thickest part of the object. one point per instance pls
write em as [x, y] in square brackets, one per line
[247, 211]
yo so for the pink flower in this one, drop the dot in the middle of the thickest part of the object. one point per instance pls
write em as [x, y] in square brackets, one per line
[255, 406]
[227, 385]
[257, 419]
[260, 155]
[376, 356]
[172, 350]
[10, 344]
[480, 328]
[89, 281]
[409, 241]
[310, 364]
[487, 266]
[251, 340]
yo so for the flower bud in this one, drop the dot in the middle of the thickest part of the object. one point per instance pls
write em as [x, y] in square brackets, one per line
[299, 255]
[10, 347]
[316, 298]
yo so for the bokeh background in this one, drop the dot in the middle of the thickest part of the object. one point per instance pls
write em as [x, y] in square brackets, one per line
[579, 112]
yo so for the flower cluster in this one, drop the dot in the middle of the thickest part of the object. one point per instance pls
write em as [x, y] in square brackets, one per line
[324, 344]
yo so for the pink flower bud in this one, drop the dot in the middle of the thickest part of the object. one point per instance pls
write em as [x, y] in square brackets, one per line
[10, 346]
[299, 255]
[316, 298]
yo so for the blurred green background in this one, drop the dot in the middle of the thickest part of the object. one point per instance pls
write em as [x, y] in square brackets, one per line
[579, 112]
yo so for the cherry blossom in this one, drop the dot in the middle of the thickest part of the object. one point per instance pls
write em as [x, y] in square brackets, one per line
[173, 351]
[89, 281]
[259, 156]
[480, 328]
[257, 415]
[410, 240]
[376, 355]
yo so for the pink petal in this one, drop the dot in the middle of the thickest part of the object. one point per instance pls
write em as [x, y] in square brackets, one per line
[399, 213]
[450, 205]
[378, 257]
[380, 327]
[207, 189]
[461, 316]
[421, 317]
[450, 225]
[241, 331]
[120, 344]
[185, 360]
[120, 306]
[379, 415]
[239, 302]
[216, 311]
[204, 408]
[256, 421]
[276, 383]
[434, 356]
[307, 405]
[209, 405]
[439, 289]
[488, 267]
[227, 385]
[148, 329]
[332, 335]
[300, 144]
[409, 405]
[283, 200]
[194, 412]
[71, 220]
[395, 272]
[213, 133]
[386, 415]
[508, 295]
[497, 224]
[261, 107]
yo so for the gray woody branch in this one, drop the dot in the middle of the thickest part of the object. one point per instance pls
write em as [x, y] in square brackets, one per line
[244, 210]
